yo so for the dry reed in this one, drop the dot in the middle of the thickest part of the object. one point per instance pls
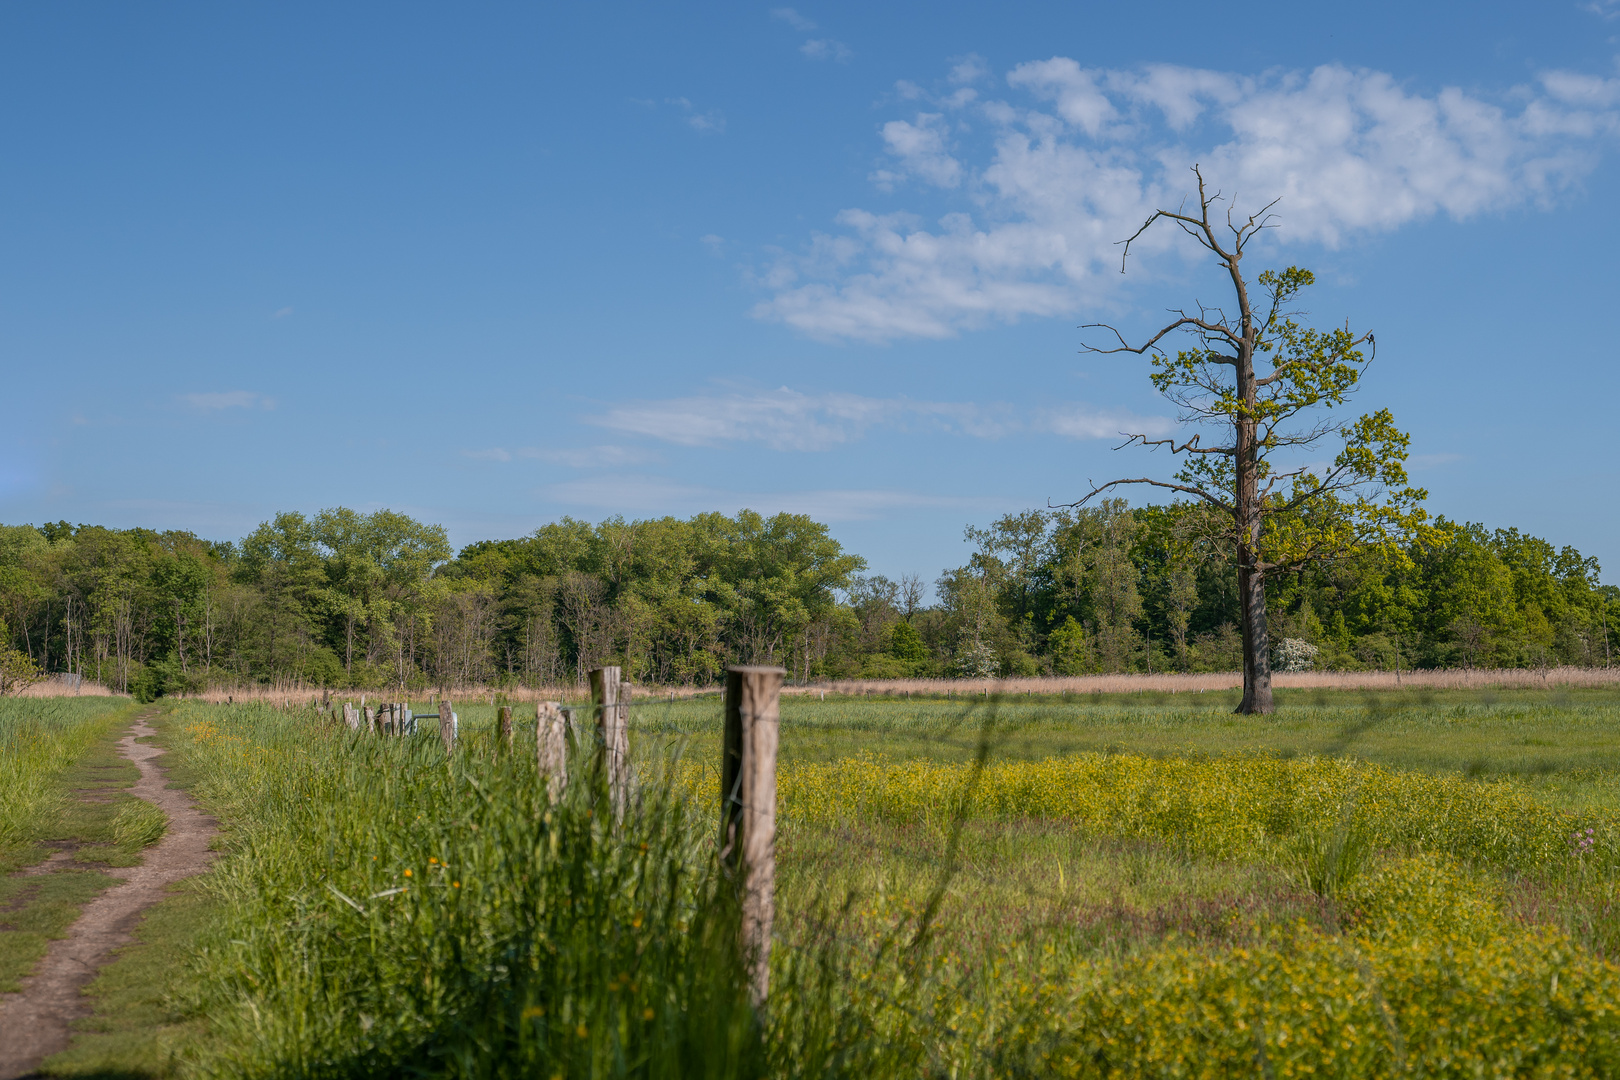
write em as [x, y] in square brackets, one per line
[1167, 682]
[56, 686]
[1177, 682]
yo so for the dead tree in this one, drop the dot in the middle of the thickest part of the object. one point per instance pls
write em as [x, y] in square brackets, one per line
[1284, 511]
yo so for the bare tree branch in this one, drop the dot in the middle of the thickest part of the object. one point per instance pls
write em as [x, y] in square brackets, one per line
[1094, 492]
[1185, 320]
[1190, 446]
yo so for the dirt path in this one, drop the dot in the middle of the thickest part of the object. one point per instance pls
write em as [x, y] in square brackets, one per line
[35, 1022]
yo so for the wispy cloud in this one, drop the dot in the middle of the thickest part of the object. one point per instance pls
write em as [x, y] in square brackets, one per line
[1084, 422]
[793, 19]
[282, 313]
[785, 419]
[629, 494]
[704, 121]
[228, 399]
[1050, 178]
[580, 457]
[596, 457]
[827, 49]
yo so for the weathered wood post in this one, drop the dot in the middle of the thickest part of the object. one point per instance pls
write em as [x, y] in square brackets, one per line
[504, 719]
[748, 808]
[612, 726]
[447, 726]
[351, 716]
[551, 747]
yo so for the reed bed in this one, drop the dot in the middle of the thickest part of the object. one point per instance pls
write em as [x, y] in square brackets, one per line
[1196, 682]
[290, 694]
[56, 686]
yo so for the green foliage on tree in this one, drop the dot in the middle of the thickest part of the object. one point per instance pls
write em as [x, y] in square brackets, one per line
[906, 644]
[1261, 387]
[376, 601]
[17, 669]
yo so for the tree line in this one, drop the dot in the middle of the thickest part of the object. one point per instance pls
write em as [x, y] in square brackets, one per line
[379, 600]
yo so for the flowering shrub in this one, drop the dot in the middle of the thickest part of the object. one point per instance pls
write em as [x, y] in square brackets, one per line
[1295, 654]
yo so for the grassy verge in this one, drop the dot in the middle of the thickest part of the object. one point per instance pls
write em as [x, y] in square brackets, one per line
[41, 738]
[79, 812]
[145, 1025]
[145, 1022]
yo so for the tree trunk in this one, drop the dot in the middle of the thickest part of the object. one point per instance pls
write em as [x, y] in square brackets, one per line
[1256, 641]
[1246, 504]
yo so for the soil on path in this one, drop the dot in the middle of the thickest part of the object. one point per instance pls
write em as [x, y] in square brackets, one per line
[35, 1022]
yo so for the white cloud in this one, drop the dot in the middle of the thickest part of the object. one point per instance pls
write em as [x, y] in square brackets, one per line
[969, 69]
[827, 49]
[706, 122]
[921, 149]
[788, 420]
[282, 313]
[228, 399]
[1083, 422]
[1050, 180]
[793, 19]
[630, 494]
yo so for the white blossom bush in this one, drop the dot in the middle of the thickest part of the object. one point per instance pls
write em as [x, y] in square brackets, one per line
[1295, 654]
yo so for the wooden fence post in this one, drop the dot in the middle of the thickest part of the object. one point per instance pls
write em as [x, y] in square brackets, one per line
[615, 733]
[447, 725]
[551, 747]
[503, 718]
[748, 808]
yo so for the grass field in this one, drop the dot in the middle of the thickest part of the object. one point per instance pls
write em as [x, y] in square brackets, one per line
[1422, 882]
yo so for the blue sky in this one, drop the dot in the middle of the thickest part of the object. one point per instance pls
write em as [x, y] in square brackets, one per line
[490, 265]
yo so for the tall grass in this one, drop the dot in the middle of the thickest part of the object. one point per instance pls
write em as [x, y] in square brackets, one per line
[388, 911]
[40, 737]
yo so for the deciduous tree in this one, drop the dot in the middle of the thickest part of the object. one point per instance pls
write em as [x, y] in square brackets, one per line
[1258, 383]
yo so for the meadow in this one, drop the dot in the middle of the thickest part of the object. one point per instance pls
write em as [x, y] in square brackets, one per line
[1414, 883]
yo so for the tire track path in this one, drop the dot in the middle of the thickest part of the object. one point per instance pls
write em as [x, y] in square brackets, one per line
[36, 1022]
